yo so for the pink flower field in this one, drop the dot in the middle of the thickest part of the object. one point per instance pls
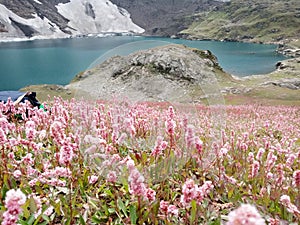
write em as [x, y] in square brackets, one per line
[149, 163]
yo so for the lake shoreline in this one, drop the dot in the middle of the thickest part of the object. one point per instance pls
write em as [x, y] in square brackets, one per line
[284, 48]
[111, 34]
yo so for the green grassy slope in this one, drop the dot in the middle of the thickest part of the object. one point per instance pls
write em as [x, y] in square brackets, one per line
[250, 20]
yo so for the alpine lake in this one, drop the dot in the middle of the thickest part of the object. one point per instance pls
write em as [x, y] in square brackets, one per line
[57, 61]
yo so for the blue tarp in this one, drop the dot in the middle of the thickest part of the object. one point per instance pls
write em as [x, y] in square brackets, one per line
[24, 96]
[14, 95]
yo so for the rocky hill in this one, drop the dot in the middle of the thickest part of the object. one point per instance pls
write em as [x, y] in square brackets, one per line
[168, 73]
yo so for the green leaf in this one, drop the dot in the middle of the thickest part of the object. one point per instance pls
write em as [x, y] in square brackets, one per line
[133, 216]
[22, 222]
[230, 193]
[43, 223]
[216, 221]
[81, 220]
[33, 207]
[108, 193]
[31, 220]
[57, 208]
[46, 218]
[193, 211]
[5, 180]
[111, 210]
[96, 220]
[122, 206]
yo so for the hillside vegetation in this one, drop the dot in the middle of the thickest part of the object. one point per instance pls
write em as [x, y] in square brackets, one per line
[253, 20]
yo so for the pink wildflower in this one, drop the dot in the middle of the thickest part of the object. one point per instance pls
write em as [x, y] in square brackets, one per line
[130, 164]
[111, 177]
[254, 169]
[189, 192]
[170, 123]
[203, 191]
[280, 175]
[296, 178]
[229, 179]
[273, 221]
[290, 160]
[17, 174]
[270, 175]
[49, 210]
[42, 134]
[92, 179]
[129, 125]
[30, 130]
[173, 210]
[223, 152]
[122, 138]
[245, 214]
[136, 183]
[27, 159]
[163, 206]
[115, 132]
[271, 159]
[190, 136]
[207, 187]
[160, 145]
[57, 131]
[199, 145]
[3, 138]
[285, 200]
[13, 202]
[250, 157]
[66, 154]
[150, 195]
[260, 153]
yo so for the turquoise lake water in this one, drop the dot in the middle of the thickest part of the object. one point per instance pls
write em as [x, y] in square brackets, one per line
[58, 61]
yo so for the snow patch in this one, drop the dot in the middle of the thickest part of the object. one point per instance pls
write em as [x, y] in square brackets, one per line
[43, 27]
[107, 17]
[38, 2]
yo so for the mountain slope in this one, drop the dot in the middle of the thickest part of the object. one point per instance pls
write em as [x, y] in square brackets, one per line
[61, 18]
[251, 20]
[165, 17]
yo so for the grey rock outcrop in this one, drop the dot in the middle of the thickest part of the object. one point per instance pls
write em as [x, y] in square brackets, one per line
[293, 84]
[288, 51]
[167, 73]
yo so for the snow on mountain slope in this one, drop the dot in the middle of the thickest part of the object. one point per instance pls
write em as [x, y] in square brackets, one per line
[38, 27]
[95, 16]
[85, 17]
